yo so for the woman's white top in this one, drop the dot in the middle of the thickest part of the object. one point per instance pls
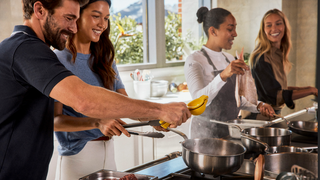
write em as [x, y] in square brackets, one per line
[201, 80]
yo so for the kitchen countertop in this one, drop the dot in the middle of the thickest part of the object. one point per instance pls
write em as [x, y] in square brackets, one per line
[172, 97]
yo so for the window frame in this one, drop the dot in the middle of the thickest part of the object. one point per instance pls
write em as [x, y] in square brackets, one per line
[154, 53]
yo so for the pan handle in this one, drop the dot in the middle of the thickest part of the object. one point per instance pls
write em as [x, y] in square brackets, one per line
[276, 121]
[178, 132]
[247, 136]
[135, 124]
[228, 124]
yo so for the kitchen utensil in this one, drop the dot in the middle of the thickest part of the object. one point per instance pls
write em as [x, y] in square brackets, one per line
[258, 139]
[303, 173]
[143, 123]
[287, 176]
[282, 162]
[269, 135]
[147, 134]
[211, 155]
[109, 174]
[159, 88]
[305, 128]
[196, 107]
[243, 124]
[276, 121]
[280, 149]
[259, 167]
[173, 87]
[142, 89]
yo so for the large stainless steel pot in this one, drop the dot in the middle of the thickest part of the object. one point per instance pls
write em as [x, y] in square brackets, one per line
[282, 162]
[211, 155]
[271, 136]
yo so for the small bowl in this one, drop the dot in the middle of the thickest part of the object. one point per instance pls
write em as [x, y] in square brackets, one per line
[159, 88]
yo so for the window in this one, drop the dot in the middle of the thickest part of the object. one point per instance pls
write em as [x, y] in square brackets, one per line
[127, 31]
[183, 33]
[156, 33]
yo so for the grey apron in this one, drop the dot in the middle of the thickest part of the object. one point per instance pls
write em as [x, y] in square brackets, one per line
[223, 107]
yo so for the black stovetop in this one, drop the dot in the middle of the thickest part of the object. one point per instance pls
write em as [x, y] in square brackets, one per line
[176, 169]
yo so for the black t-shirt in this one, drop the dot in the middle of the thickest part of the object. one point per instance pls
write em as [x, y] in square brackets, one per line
[28, 71]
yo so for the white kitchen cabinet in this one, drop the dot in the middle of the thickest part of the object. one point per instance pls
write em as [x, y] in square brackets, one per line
[136, 150]
[130, 152]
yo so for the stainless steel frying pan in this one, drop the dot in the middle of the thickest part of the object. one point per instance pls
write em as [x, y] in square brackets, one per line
[211, 155]
[305, 128]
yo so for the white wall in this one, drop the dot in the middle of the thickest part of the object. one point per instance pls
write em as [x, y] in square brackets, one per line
[248, 14]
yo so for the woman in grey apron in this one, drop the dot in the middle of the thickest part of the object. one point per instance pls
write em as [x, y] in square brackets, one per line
[223, 107]
[213, 73]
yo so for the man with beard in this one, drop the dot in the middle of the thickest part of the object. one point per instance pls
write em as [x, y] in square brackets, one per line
[31, 76]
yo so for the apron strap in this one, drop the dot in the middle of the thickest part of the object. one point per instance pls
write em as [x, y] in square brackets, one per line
[209, 59]
[226, 58]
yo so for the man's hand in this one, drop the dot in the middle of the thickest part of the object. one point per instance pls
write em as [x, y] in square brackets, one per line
[174, 113]
[159, 128]
[112, 127]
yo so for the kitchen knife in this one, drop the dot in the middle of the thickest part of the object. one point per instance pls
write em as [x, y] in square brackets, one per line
[147, 134]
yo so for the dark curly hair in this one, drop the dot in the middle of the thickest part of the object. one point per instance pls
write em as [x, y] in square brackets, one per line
[50, 5]
[214, 17]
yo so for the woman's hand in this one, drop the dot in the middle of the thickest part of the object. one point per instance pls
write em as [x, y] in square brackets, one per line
[235, 67]
[265, 109]
[112, 127]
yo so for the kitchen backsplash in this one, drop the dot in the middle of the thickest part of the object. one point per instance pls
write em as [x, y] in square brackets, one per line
[171, 74]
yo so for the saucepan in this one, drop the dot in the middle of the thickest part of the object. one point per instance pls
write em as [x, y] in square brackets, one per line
[283, 158]
[268, 136]
[211, 155]
[283, 162]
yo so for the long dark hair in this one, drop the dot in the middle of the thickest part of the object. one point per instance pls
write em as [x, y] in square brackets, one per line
[214, 17]
[102, 54]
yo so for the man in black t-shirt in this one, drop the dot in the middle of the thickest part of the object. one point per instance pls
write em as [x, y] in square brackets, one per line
[31, 75]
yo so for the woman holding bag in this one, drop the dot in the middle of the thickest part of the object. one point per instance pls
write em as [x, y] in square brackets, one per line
[213, 73]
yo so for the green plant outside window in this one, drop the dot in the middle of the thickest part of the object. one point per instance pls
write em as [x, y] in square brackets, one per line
[129, 49]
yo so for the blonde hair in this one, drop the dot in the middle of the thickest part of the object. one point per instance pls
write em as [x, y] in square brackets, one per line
[263, 45]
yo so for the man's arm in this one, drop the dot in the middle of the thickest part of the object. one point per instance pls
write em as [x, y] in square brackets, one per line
[101, 103]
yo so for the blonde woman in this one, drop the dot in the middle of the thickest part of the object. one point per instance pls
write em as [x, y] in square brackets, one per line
[270, 64]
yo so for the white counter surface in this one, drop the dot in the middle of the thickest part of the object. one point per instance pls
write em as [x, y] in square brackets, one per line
[172, 97]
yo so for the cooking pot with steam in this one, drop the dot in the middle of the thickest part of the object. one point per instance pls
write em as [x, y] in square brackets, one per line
[211, 155]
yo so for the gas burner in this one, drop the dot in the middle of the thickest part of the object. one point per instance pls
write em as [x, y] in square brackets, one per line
[193, 175]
